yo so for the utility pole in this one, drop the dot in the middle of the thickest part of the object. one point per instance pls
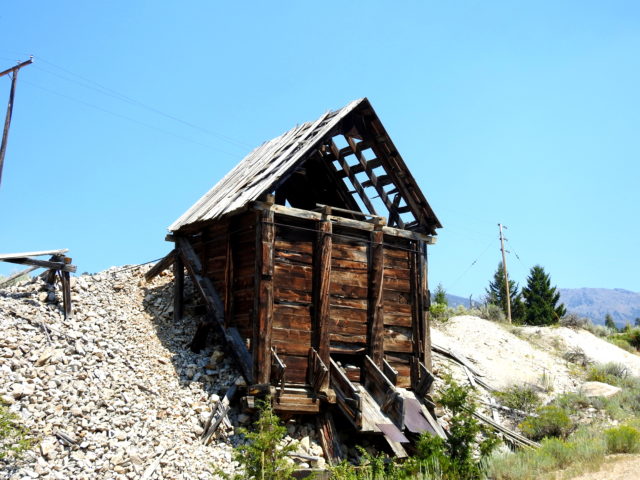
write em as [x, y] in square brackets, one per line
[506, 276]
[7, 120]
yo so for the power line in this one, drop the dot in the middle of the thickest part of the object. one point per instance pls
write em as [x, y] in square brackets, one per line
[449, 287]
[104, 110]
[120, 96]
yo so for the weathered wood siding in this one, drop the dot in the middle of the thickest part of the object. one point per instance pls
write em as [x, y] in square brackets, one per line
[292, 334]
[228, 252]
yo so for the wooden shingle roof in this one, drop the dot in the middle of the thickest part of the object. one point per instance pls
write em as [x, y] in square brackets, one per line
[271, 164]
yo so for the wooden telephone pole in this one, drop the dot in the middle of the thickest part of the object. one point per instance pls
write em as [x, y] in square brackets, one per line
[506, 276]
[7, 120]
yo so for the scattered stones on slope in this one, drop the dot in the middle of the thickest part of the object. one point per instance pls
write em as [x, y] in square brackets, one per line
[114, 392]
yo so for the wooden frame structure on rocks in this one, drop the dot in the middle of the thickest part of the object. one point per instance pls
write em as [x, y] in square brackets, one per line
[311, 257]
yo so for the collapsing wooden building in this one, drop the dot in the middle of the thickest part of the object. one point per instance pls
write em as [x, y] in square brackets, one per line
[311, 256]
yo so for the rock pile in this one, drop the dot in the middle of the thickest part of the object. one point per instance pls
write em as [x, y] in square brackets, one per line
[114, 392]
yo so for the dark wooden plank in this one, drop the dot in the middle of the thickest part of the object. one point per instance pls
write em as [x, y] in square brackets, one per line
[215, 306]
[321, 287]
[66, 293]
[328, 435]
[161, 265]
[42, 263]
[263, 325]
[425, 319]
[376, 301]
[417, 314]
[178, 288]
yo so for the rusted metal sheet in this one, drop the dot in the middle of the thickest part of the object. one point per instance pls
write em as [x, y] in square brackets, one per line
[392, 432]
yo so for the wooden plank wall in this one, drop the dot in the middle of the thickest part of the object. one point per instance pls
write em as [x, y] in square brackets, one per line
[293, 283]
[398, 311]
[349, 297]
[292, 334]
[227, 252]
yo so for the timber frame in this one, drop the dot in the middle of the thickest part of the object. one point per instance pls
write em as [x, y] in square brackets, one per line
[311, 258]
[57, 266]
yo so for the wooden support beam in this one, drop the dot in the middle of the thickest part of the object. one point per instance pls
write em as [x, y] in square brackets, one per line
[352, 177]
[417, 314]
[42, 263]
[336, 180]
[346, 222]
[425, 304]
[215, 306]
[17, 275]
[178, 291]
[228, 279]
[329, 439]
[375, 310]
[65, 281]
[160, 266]
[321, 286]
[373, 179]
[263, 307]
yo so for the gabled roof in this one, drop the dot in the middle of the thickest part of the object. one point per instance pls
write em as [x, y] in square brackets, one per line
[339, 175]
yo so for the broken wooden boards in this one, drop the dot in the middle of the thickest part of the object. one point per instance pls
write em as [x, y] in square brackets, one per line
[57, 265]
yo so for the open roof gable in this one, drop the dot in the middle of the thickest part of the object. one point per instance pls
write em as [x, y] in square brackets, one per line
[345, 158]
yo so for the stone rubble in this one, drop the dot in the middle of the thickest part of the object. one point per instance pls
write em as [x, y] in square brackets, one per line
[114, 391]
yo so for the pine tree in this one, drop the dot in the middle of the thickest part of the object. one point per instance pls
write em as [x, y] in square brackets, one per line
[541, 299]
[497, 295]
[440, 295]
[609, 323]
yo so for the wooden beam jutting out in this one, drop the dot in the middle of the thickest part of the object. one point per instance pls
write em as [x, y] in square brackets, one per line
[178, 294]
[160, 266]
[321, 285]
[375, 305]
[262, 327]
[215, 307]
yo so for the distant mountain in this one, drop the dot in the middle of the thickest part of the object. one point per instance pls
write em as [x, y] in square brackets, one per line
[595, 303]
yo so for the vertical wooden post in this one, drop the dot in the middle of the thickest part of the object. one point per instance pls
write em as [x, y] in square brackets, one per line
[228, 279]
[262, 327]
[178, 288]
[425, 305]
[417, 312]
[375, 312]
[321, 286]
[66, 293]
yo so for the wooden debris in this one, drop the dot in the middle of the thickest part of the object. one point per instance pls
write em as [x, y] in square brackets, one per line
[218, 415]
[160, 266]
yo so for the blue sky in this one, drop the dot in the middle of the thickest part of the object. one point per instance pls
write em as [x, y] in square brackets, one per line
[524, 113]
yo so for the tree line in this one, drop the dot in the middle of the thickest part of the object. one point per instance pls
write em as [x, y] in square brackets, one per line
[536, 304]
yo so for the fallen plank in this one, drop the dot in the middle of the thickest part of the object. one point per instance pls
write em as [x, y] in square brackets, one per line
[160, 266]
[40, 263]
[33, 254]
[510, 434]
[18, 275]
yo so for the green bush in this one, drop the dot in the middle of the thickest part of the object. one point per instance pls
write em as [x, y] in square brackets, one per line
[14, 438]
[611, 373]
[622, 439]
[572, 402]
[523, 398]
[438, 311]
[630, 336]
[262, 457]
[551, 421]
[583, 450]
